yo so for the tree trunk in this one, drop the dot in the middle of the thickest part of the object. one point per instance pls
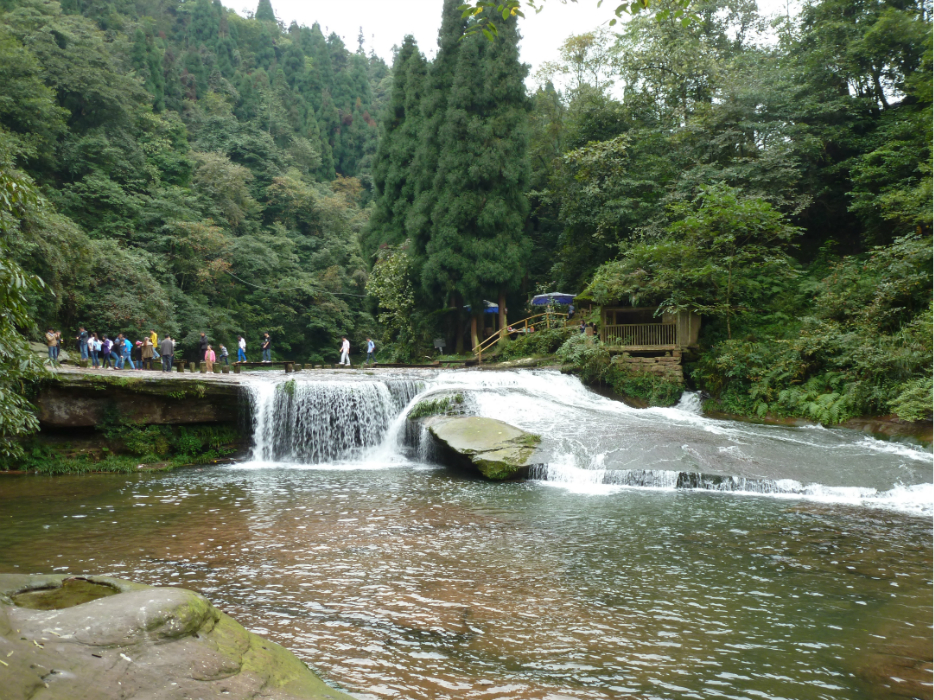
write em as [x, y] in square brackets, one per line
[458, 326]
[502, 314]
[474, 341]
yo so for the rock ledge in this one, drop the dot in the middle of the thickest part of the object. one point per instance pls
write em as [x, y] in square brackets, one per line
[132, 641]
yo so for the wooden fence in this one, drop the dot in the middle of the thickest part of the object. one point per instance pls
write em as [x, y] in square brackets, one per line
[641, 335]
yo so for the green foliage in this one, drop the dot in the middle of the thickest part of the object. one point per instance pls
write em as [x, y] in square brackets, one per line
[915, 401]
[654, 390]
[722, 257]
[182, 155]
[478, 244]
[866, 350]
[587, 356]
[18, 365]
[390, 284]
[537, 344]
[445, 406]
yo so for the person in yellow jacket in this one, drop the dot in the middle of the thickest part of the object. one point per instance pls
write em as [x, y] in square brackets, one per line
[154, 339]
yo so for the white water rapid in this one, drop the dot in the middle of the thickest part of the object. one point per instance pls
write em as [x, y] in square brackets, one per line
[591, 444]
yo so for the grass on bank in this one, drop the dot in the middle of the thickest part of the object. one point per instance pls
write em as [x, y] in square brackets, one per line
[126, 447]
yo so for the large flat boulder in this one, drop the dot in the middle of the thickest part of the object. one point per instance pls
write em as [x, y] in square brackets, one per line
[95, 638]
[496, 449]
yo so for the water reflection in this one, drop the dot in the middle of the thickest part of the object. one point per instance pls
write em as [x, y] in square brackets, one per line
[416, 583]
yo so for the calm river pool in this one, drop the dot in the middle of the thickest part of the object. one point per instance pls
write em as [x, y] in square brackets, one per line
[399, 579]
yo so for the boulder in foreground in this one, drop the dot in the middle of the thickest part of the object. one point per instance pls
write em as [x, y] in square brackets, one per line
[95, 638]
[498, 450]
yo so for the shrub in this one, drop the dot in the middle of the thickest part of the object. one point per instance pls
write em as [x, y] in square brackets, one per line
[545, 342]
[652, 389]
[590, 359]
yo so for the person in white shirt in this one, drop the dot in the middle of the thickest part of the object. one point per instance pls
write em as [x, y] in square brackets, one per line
[241, 349]
[345, 352]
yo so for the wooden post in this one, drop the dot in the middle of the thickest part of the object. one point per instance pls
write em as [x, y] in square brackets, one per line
[502, 315]
[237, 368]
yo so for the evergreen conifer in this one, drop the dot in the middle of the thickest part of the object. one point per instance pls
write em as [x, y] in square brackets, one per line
[434, 107]
[393, 177]
[478, 245]
[264, 11]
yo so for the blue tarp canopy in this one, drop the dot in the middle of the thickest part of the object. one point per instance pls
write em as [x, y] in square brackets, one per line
[552, 298]
[488, 307]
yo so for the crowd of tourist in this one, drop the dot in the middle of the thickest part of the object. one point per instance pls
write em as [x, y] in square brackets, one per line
[120, 352]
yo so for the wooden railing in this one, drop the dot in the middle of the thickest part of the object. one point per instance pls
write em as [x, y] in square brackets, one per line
[545, 320]
[640, 335]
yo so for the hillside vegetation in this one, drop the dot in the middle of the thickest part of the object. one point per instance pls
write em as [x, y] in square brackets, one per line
[176, 166]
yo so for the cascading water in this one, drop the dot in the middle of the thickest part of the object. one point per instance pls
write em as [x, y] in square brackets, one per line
[590, 443]
[311, 422]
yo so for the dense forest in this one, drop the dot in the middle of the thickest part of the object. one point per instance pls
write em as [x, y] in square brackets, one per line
[772, 175]
[199, 171]
[174, 166]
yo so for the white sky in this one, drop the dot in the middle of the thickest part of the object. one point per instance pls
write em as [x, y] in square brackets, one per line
[386, 22]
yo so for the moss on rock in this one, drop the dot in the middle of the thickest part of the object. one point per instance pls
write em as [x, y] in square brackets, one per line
[140, 641]
[496, 449]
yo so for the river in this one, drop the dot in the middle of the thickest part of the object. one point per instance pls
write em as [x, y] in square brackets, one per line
[797, 566]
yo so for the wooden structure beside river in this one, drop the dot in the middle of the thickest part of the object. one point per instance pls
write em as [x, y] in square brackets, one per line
[629, 329]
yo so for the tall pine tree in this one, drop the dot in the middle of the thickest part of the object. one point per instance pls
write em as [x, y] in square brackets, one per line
[393, 176]
[434, 107]
[478, 244]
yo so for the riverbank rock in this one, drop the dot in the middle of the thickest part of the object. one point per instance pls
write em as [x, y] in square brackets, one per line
[94, 637]
[77, 399]
[498, 450]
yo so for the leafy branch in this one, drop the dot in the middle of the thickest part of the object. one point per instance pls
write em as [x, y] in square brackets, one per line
[486, 13]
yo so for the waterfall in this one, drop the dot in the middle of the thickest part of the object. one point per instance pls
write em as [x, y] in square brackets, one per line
[590, 443]
[313, 422]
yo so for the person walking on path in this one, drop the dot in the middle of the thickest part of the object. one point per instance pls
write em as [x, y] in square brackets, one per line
[128, 351]
[345, 351]
[224, 356]
[82, 342]
[370, 350]
[146, 353]
[94, 348]
[209, 359]
[154, 339]
[202, 348]
[267, 348]
[168, 353]
[117, 351]
[136, 353]
[106, 346]
[241, 349]
[52, 342]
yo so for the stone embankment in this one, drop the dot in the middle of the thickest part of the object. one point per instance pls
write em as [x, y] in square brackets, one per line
[93, 637]
[667, 367]
[83, 399]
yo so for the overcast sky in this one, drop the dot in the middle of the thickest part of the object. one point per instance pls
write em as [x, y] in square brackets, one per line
[386, 22]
